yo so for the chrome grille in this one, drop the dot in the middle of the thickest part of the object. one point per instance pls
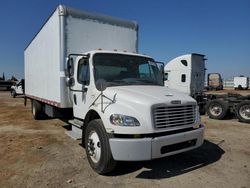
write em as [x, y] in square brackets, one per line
[171, 116]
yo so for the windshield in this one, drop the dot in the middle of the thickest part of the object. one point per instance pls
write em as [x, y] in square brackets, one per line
[118, 69]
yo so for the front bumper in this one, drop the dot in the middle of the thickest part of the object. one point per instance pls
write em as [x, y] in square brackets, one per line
[142, 149]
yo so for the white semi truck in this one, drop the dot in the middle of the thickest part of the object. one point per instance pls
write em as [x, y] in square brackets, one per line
[85, 67]
[186, 74]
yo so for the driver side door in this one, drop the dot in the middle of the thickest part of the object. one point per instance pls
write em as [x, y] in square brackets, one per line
[81, 88]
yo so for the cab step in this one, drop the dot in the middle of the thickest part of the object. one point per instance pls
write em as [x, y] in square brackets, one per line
[76, 129]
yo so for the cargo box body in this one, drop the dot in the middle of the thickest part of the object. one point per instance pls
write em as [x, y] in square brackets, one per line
[241, 82]
[70, 31]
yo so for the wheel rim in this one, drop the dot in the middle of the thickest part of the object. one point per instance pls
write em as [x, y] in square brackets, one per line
[215, 109]
[94, 147]
[244, 112]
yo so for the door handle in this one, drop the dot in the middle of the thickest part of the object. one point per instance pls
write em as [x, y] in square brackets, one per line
[75, 101]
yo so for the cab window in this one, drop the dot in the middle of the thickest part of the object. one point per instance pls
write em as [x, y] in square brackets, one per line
[83, 76]
[183, 78]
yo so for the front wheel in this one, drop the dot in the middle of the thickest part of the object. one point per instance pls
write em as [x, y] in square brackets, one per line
[13, 93]
[97, 148]
[243, 111]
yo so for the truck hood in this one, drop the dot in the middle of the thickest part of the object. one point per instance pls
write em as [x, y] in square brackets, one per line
[147, 95]
[138, 101]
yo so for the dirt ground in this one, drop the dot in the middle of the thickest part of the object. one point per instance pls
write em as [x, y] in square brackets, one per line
[40, 154]
[230, 90]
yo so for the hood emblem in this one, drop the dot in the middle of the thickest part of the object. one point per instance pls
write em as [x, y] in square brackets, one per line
[169, 94]
[176, 102]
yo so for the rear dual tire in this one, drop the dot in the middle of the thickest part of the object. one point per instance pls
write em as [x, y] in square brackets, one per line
[217, 109]
[37, 110]
[243, 111]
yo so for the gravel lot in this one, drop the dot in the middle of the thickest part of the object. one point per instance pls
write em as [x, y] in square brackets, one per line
[40, 154]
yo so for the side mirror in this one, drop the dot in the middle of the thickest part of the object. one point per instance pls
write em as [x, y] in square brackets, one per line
[70, 82]
[101, 84]
[70, 67]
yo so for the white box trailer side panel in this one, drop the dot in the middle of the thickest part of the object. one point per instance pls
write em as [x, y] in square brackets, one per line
[84, 35]
[42, 63]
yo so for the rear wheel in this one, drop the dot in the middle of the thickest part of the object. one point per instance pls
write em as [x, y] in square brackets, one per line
[36, 109]
[97, 148]
[243, 111]
[217, 109]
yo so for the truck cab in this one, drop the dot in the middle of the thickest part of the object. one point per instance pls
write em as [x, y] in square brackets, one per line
[186, 73]
[17, 89]
[127, 113]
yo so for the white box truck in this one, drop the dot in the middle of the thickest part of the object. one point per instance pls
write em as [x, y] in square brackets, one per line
[85, 67]
[241, 82]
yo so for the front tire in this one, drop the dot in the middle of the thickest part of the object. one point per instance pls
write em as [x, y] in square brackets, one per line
[243, 111]
[13, 93]
[98, 149]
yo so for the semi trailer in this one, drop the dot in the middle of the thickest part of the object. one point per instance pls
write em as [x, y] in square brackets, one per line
[241, 82]
[186, 74]
[85, 68]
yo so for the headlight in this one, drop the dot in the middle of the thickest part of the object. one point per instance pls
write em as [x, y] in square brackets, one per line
[197, 118]
[122, 120]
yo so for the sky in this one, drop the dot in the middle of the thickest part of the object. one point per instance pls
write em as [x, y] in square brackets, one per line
[219, 29]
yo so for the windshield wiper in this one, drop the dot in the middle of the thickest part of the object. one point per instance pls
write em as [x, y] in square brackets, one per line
[146, 81]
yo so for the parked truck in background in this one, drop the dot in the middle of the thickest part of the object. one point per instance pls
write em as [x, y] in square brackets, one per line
[214, 81]
[6, 84]
[241, 82]
[113, 96]
[186, 74]
[17, 89]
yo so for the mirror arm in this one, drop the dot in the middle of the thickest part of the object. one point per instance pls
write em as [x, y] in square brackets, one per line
[83, 91]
